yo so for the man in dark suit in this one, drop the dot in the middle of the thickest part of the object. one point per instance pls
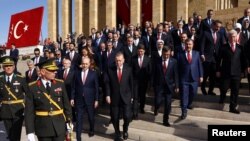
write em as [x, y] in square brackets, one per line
[148, 41]
[37, 59]
[31, 73]
[73, 56]
[12, 89]
[47, 107]
[119, 88]
[246, 16]
[177, 33]
[231, 63]
[85, 96]
[117, 44]
[190, 74]
[108, 57]
[129, 51]
[68, 75]
[210, 43]
[206, 23]
[14, 53]
[166, 82]
[247, 52]
[141, 74]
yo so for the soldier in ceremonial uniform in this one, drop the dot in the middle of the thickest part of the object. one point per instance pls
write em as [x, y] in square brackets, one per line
[12, 90]
[47, 109]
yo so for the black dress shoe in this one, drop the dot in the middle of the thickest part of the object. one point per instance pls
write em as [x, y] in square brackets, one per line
[117, 138]
[204, 92]
[91, 133]
[221, 101]
[142, 111]
[211, 93]
[155, 112]
[234, 111]
[135, 117]
[166, 124]
[125, 135]
[183, 115]
[190, 107]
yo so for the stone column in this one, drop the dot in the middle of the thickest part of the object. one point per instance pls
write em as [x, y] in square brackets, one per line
[216, 4]
[157, 11]
[66, 18]
[52, 19]
[110, 13]
[222, 4]
[93, 17]
[78, 16]
[135, 12]
[182, 10]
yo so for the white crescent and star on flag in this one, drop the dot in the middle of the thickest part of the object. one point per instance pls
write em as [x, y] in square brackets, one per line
[14, 28]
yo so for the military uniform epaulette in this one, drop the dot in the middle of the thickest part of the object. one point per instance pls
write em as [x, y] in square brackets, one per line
[32, 83]
[60, 80]
[20, 76]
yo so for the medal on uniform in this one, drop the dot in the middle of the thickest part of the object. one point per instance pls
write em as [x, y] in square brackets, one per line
[59, 99]
[16, 90]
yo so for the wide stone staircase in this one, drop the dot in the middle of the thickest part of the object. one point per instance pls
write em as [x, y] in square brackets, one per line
[207, 111]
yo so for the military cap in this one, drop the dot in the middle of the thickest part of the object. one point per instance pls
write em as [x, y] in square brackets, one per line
[49, 64]
[7, 60]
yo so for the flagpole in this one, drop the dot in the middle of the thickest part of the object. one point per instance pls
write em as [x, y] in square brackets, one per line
[41, 34]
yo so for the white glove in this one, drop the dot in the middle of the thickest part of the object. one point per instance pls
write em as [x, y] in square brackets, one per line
[70, 126]
[31, 137]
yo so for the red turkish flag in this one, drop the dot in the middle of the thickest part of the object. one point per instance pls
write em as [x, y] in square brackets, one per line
[146, 10]
[25, 28]
[123, 11]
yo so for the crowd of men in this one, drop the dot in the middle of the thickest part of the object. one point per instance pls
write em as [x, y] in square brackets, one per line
[117, 67]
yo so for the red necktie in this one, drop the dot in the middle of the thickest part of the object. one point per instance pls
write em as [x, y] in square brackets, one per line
[119, 74]
[65, 74]
[140, 62]
[215, 37]
[30, 74]
[159, 36]
[164, 67]
[233, 47]
[189, 58]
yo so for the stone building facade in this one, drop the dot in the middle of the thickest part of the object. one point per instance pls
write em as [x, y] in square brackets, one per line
[98, 13]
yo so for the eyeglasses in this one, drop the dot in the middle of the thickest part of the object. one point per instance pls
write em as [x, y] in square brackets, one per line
[58, 54]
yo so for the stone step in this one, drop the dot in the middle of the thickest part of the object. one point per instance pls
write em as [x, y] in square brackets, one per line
[149, 127]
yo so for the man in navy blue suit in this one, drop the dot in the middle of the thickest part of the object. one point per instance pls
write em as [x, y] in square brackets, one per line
[190, 74]
[14, 52]
[166, 82]
[85, 96]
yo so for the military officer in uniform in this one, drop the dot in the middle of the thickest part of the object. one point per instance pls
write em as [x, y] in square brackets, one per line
[47, 110]
[12, 90]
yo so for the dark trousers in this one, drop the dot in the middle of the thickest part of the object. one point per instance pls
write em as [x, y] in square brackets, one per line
[80, 108]
[126, 112]
[167, 96]
[209, 71]
[58, 138]
[187, 90]
[234, 85]
[142, 89]
[248, 78]
[13, 128]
